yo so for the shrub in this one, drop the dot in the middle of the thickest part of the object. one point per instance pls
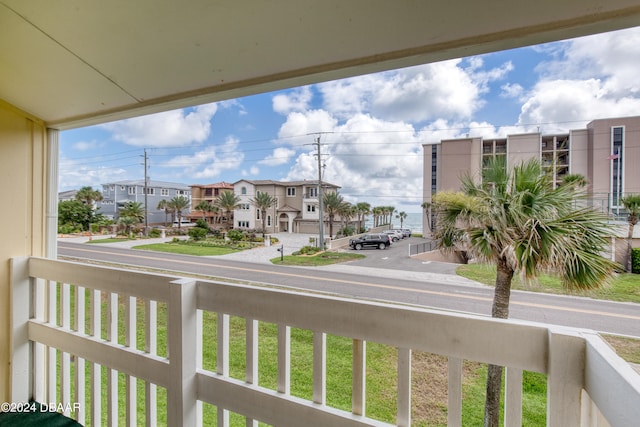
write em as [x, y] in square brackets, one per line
[308, 250]
[197, 233]
[235, 235]
[154, 233]
[348, 231]
[201, 223]
[635, 260]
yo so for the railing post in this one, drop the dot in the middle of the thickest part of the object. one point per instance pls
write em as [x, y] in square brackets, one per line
[565, 378]
[21, 308]
[182, 326]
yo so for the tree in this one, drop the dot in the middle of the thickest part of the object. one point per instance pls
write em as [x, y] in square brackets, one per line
[227, 201]
[362, 209]
[133, 210]
[178, 204]
[205, 207]
[346, 212]
[332, 203]
[428, 212]
[164, 205]
[74, 213]
[517, 220]
[402, 216]
[88, 195]
[632, 204]
[127, 221]
[263, 201]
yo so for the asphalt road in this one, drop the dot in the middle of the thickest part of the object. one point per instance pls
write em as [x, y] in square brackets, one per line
[385, 275]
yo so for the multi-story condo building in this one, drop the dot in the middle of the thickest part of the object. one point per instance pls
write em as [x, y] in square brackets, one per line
[295, 210]
[116, 194]
[604, 153]
[207, 193]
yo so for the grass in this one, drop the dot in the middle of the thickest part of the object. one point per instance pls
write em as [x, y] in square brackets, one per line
[624, 287]
[319, 259]
[110, 240]
[184, 249]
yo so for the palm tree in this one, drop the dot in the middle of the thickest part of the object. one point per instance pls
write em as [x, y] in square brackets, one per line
[164, 205]
[204, 207]
[88, 195]
[346, 212]
[377, 213]
[517, 220]
[133, 210]
[227, 201]
[402, 216]
[178, 204]
[127, 221]
[363, 209]
[428, 212]
[332, 203]
[631, 203]
[263, 201]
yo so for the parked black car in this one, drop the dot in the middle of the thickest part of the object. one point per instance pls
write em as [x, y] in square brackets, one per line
[380, 241]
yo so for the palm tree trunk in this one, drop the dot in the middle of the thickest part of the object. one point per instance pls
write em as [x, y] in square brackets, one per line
[500, 309]
[629, 247]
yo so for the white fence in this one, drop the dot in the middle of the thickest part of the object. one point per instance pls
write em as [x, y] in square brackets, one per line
[61, 334]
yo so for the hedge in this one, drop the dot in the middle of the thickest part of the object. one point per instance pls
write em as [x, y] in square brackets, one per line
[635, 260]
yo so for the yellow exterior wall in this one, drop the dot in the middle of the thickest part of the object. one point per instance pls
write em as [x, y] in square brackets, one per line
[23, 174]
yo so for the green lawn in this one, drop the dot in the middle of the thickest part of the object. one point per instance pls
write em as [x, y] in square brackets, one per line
[186, 249]
[624, 287]
[319, 259]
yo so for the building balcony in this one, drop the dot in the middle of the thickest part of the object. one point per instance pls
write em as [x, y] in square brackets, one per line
[77, 331]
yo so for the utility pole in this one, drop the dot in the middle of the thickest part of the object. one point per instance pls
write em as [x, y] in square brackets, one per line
[146, 196]
[320, 204]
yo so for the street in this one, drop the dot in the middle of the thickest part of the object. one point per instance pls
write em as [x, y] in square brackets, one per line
[407, 283]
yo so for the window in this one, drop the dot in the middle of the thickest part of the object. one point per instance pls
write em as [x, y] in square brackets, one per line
[131, 190]
[208, 192]
[244, 206]
[311, 208]
[243, 224]
[313, 192]
[269, 220]
[617, 163]
[291, 191]
[243, 190]
[150, 191]
[164, 192]
[258, 214]
[180, 192]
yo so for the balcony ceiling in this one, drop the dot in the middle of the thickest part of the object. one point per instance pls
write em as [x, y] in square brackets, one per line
[76, 62]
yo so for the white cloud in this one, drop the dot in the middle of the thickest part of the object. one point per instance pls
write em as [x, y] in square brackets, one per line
[511, 90]
[414, 94]
[371, 159]
[74, 175]
[294, 100]
[280, 156]
[588, 78]
[209, 162]
[168, 129]
[85, 145]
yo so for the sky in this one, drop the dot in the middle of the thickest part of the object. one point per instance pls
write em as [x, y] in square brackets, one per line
[371, 128]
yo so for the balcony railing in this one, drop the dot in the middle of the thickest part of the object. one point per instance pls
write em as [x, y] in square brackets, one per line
[75, 339]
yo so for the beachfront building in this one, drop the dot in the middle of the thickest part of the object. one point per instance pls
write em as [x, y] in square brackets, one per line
[207, 193]
[116, 194]
[296, 209]
[604, 153]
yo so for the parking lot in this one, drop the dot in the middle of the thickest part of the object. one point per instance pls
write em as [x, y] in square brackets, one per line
[396, 257]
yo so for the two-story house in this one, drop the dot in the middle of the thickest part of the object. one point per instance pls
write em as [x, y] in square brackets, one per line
[296, 209]
[116, 194]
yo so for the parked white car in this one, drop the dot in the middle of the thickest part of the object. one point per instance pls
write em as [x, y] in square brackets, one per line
[394, 235]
